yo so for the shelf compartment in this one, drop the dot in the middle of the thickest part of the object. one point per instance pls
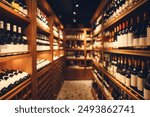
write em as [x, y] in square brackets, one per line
[124, 13]
[40, 29]
[129, 52]
[133, 94]
[12, 93]
[16, 56]
[8, 12]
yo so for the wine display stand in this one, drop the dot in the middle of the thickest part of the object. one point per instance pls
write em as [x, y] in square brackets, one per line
[46, 82]
[134, 51]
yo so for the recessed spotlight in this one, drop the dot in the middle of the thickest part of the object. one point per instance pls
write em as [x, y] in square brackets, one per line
[77, 5]
[74, 20]
[74, 13]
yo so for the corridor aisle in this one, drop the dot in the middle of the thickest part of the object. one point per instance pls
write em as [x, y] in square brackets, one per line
[76, 90]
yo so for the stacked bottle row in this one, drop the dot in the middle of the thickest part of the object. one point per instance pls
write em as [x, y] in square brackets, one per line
[42, 42]
[56, 44]
[12, 38]
[117, 7]
[134, 32]
[75, 64]
[98, 25]
[131, 71]
[56, 32]
[19, 6]
[75, 54]
[75, 44]
[112, 92]
[11, 78]
[42, 20]
[97, 57]
[97, 44]
[78, 36]
[41, 63]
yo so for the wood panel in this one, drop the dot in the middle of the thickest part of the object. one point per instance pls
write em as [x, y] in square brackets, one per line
[78, 74]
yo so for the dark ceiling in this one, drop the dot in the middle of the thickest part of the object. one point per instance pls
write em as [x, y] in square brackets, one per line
[65, 9]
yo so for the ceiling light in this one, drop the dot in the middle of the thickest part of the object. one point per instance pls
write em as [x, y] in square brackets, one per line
[77, 5]
[74, 13]
[74, 20]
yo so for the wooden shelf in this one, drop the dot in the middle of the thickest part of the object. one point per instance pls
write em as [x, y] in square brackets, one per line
[133, 94]
[124, 13]
[76, 67]
[101, 87]
[72, 39]
[129, 52]
[43, 70]
[94, 94]
[42, 51]
[16, 90]
[76, 59]
[40, 29]
[13, 57]
[75, 49]
[7, 12]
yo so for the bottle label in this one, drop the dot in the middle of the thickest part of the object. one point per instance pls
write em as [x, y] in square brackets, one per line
[130, 39]
[136, 41]
[128, 82]
[142, 41]
[125, 39]
[1, 25]
[147, 94]
[14, 28]
[133, 80]
[19, 29]
[140, 84]
[8, 26]
[148, 36]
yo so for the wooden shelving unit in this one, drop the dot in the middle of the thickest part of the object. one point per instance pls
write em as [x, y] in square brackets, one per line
[127, 51]
[51, 76]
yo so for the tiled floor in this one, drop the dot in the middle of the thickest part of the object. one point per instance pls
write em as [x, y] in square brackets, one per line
[76, 90]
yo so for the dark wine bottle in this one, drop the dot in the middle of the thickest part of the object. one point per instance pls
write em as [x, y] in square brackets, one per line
[128, 73]
[2, 36]
[147, 83]
[130, 33]
[143, 33]
[141, 78]
[137, 32]
[134, 73]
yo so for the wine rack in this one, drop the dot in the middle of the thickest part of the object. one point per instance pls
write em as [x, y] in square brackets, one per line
[49, 83]
[45, 82]
[103, 34]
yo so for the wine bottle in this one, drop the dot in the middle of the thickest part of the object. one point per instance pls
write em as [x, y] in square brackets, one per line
[8, 38]
[143, 33]
[126, 34]
[148, 31]
[13, 46]
[147, 83]
[2, 36]
[118, 68]
[128, 73]
[137, 32]
[123, 72]
[130, 33]
[134, 73]
[20, 40]
[141, 78]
